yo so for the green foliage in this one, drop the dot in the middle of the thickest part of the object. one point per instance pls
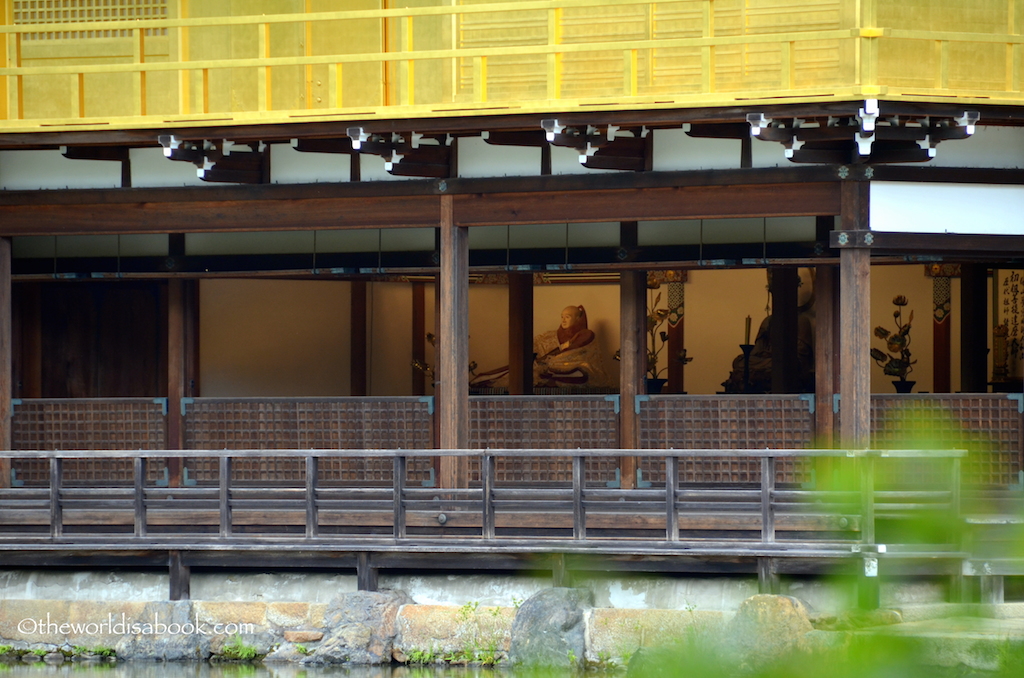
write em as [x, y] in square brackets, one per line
[40, 651]
[301, 649]
[418, 656]
[468, 610]
[6, 649]
[238, 650]
[517, 602]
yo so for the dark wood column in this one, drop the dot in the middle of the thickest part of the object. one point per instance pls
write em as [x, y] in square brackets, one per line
[520, 333]
[974, 328]
[855, 322]
[6, 357]
[826, 353]
[783, 329]
[176, 378]
[357, 346]
[453, 347]
[632, 354]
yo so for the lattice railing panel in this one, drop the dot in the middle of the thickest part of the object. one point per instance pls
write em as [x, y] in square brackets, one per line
[988, 426]
[726, 422]
[86, 424]
[557, 422]
[313, 423]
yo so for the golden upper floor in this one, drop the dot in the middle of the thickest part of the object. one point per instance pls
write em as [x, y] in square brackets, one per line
[124, 64]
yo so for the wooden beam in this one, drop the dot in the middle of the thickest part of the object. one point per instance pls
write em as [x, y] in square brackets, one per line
[520, 333]
[358, 346]
[640, 204]
[453, 345]
[855, 323]
[6, 357]
[176, 358]
[544, 199]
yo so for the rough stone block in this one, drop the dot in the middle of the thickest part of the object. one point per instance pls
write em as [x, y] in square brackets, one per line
[231, 613]
[303, 636]
[474, 633]
[33, 621]
[614, 634]
[288, 614]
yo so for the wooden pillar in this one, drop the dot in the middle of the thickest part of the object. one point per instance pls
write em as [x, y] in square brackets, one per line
[176, 359]
[6, 354]
[419, 337]
[632, 365]
[855, 323]
[520, 333]
[974, 328]
[783, 330]
[357, 347]
[453, 347]
[826, 353]
[180, 577]
[855, 378]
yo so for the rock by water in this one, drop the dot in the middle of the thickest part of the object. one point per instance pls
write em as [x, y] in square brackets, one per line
[549, 629]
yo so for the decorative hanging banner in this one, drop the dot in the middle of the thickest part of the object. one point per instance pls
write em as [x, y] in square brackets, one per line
[673, 280]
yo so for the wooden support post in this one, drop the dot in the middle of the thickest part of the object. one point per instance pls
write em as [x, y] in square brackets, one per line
[312, 508]
[56, 505]
[767, 495]
[225, 496]
[632, 354]
[366, 573]
[6, 359]
[560, 574]
[783, 330]
[358, 346]
[992, 590]
[398, 491]
[453, 345]
[579, 516]
[855, 324]
[974, 328]
[176, 365]
[520, 333]
[767, 577]
[180, 575]
[671, 492]
[855, 378]
[826, 369]
[139, 478]
[487, 468]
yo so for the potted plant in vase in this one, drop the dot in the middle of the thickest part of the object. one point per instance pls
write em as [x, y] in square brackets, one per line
[895, 360]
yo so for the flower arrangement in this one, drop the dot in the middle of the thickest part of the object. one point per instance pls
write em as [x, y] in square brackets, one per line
[657, 338]
[895, 361]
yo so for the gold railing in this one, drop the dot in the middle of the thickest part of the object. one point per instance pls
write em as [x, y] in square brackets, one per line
[435, 61]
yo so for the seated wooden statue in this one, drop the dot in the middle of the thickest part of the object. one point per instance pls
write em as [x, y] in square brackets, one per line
[569, 356]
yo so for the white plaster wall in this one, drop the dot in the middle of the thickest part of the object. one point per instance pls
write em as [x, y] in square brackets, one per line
[30, 170]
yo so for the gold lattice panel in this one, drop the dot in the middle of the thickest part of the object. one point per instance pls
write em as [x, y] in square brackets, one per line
[725, 422]
[86, 424]
[42, 12]
[988, 426]
[557, 422]
[326, 423]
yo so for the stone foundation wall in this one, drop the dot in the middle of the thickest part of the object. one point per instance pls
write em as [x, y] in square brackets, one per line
[358, 627]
